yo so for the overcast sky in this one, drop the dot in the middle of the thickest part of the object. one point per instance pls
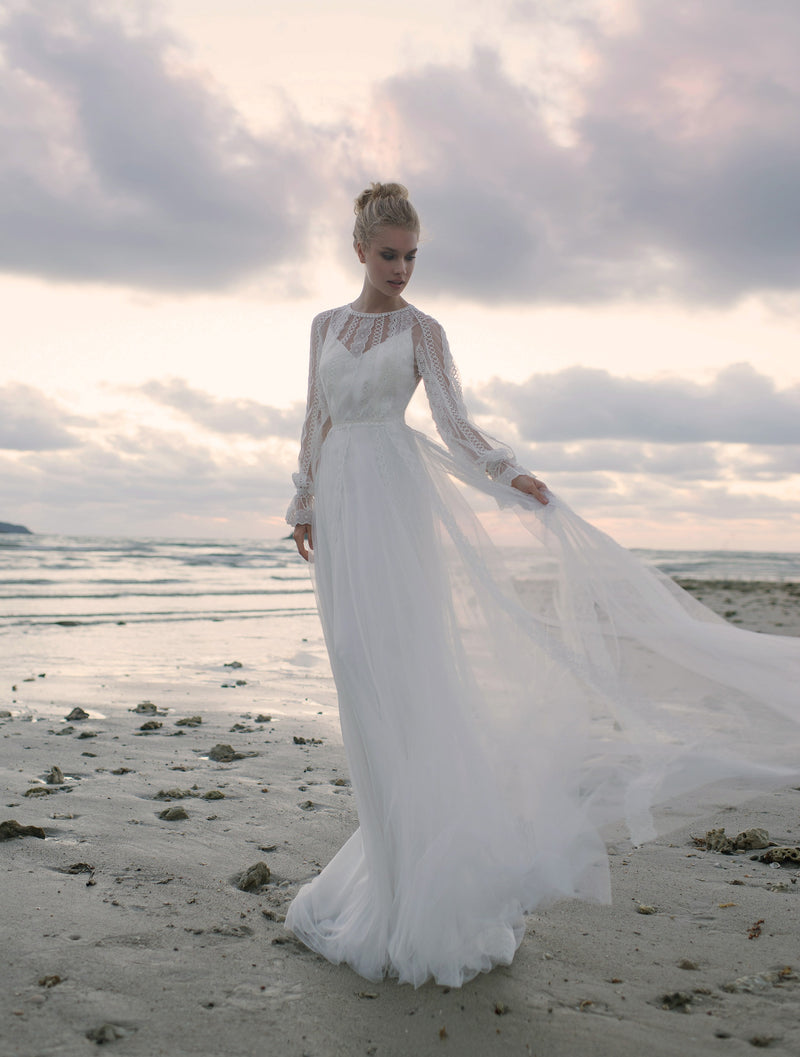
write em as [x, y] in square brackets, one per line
[611, 215]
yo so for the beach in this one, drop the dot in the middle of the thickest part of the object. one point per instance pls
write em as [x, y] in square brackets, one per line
[205, 749]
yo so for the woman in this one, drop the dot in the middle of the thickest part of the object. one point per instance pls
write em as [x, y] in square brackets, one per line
[490, 727]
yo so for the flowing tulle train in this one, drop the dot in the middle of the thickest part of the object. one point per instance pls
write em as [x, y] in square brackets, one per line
[491, 726]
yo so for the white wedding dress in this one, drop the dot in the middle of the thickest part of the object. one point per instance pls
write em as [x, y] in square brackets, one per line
[490, 726]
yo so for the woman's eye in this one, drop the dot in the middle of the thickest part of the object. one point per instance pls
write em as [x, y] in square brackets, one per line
[388, 256]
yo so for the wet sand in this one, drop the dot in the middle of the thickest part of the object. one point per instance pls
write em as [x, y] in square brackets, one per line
[126, 928]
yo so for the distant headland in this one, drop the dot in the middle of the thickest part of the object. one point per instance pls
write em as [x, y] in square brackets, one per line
[6, 527]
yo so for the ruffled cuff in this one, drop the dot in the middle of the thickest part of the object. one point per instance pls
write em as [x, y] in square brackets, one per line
[301, 510]
[301, 507]
[507, 475]
[500, 467]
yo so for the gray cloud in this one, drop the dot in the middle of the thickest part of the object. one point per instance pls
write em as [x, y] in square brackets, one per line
[239, 416]
[680, 461]
[681, 178]
[113, 476]
[31, 421]
[116, 166]
[739, 406]
[139, 484]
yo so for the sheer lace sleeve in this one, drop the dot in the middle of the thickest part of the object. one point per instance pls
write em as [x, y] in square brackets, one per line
[315, 427]
[469, 446]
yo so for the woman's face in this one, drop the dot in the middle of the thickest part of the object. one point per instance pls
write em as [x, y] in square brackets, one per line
[389, 259]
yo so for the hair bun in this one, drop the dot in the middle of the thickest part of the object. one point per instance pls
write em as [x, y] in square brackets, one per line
[377, 191]
[383, 205]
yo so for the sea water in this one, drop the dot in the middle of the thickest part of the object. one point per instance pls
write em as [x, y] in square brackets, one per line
[117, 619]
[74, 581]
[104, 623]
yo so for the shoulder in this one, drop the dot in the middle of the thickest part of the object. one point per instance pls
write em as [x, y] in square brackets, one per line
[321, 323]
[322, 319]
[430, 326]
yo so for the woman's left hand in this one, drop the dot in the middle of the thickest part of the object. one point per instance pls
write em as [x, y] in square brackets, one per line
[531, 486]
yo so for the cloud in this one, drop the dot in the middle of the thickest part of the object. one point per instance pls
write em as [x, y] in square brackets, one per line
[141, 482]
[680, 461]
[679, 176]
[231, 465]
[239, 416]
[740, 406]
[31, 421]
[647, 157]
[118, 164]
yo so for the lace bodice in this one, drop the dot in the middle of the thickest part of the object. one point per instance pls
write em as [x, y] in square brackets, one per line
[364, 368]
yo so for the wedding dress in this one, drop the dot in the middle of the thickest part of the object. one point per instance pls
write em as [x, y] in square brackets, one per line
[492, 726]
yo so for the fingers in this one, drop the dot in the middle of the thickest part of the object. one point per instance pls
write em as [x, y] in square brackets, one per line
[300, 534]
[540, 491]
[531, 486]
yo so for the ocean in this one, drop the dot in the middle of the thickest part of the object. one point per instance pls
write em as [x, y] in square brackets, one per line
[105, 622]
[73, 581]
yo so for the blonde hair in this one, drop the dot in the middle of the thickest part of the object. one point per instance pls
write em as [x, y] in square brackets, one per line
[383, 205]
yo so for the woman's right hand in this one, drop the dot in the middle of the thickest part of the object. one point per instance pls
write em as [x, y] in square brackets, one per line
[300, 535]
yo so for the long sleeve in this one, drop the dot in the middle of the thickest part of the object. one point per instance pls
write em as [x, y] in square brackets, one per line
[315, 427]
[471, 447]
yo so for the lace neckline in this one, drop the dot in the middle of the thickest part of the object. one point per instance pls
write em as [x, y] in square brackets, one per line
[376, 315]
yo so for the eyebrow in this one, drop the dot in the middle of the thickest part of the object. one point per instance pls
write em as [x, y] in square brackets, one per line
[392, 249]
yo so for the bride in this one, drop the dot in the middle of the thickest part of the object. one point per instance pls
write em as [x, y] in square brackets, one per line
[491, 725]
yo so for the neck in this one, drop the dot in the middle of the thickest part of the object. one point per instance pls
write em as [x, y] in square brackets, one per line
[372, 300]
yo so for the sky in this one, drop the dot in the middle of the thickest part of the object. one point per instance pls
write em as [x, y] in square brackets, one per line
[610, 200]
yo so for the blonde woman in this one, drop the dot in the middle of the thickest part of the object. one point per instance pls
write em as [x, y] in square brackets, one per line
[491, 726]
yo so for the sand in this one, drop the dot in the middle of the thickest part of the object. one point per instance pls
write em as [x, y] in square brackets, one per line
[125, 929]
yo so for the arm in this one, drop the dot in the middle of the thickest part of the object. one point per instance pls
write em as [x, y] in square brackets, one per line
[468, 445]
[315, 428]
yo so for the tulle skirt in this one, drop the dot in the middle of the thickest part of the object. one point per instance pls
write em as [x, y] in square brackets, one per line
[492, 726]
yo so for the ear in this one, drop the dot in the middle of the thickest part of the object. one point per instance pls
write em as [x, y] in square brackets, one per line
[360, 252]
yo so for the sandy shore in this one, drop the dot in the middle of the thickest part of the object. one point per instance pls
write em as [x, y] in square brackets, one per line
[131, 926]
[757, 605]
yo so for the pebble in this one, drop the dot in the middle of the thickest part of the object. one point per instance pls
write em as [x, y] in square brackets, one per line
[145, 708]
[223, 753]
[108, 1033]
[173, 794]
[173, 814]
[11, 829]
[77, 714]
[680, 1000]
[760, 982]
[254, 877]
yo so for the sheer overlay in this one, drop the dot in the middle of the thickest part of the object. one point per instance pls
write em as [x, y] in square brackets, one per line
[492, 726]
